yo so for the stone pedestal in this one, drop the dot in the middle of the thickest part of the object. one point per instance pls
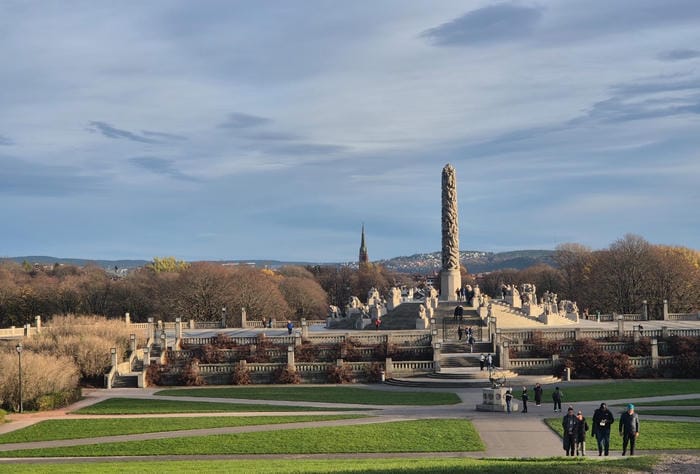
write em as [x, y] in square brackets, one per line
[450, 282]
[494, 399]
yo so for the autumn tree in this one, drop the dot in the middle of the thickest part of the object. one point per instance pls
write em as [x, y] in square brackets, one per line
[305, 297]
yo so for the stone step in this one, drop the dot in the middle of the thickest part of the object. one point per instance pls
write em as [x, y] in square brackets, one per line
[125, 381]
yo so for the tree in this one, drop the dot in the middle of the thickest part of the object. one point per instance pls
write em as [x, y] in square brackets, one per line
[305, 297]
[167, 264]
[574, 262]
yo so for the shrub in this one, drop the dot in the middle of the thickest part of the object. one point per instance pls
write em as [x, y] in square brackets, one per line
[640, 349]
[687, 353]
[56, 400]
[349, 350]
[3, 413]
[223, 341]
[241, 375]
[340, 373]
[587, 359]
[373, 372]
[190, 375]
[42, 374]
[154, 374]
[542, 347]
[285, 375]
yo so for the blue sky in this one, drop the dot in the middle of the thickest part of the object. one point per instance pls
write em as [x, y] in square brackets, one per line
[243, 129]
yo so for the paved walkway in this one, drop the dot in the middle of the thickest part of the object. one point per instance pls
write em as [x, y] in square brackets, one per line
[505, 435]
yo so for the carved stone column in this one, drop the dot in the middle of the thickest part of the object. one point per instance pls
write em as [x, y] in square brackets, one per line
[450, 278]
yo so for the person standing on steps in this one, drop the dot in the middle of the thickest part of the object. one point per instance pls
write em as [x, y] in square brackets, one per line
[581, 434]
[524, 397]
[557, 397]
[459, 333]
[570, 425]
[482, 360]
[509, 399]
[602, 422]
[489, 361]
[471, 343]
[629, 429]
[538, 394]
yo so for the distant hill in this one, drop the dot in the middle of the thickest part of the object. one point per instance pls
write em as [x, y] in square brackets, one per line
[475, 261]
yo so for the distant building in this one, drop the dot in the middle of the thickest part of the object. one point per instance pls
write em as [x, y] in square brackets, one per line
[364, 258]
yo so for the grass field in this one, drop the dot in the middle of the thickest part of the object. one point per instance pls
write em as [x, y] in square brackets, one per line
[625, 389]
[653, 411]
[139, 406]
[435, 435]
[375, 466]
[653, 435]
[331, 394]
[686, 402]
[80, 429]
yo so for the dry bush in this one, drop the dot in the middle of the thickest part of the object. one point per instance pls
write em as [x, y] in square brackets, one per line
[154, 374]
[373, 372]
[42, 374]
[588, 360]
[241, 375]
[86, 339]
[340, 374]
[190, 374]
[285, 375]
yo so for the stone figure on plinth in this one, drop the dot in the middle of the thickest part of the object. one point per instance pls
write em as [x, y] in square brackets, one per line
[450, 279]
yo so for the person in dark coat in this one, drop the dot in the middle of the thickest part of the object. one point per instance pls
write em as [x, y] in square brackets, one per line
[482, 361]
[602, 422]
[570, 424]
[581, 434]
[538, 394]
[557, 396]
[524, 398]
[290, 327]
[629, 429]
[509, 399]
[460, 332]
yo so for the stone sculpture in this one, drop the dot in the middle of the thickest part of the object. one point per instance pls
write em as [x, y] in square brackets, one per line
[450, 279]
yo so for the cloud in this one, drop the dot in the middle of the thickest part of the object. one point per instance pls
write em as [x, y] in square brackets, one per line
[111, 132]
[678, 54]
[160, 166]
[4, 141]
[163, 136]
[238, 120]
[24, 178]
[495, 23]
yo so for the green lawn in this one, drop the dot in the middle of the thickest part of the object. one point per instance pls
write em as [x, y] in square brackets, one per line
[653, 435]
[662, 412]
[331, 394]
[79, 429]
[624, 390]
[435, 435]
[686, 402]
[140, 406]
[375, 466]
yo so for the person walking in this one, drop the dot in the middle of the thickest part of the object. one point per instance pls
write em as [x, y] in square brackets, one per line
[629, 429]
[290, 327]
[581, 429]
[524, 397]
[509, 399]
[482, 361]
[602, 422]
[557, 397]
[570, 424]
[538, 394]
[377, 323]
[471, 343]
[489, 361]
[460, 332]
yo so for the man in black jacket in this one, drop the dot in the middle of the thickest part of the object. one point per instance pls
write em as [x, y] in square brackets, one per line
[602, 421]
[629, 429]
[570, 425]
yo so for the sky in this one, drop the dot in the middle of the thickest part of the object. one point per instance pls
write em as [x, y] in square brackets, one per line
[217, 130]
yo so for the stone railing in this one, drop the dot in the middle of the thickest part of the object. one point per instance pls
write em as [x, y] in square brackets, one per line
[684, 316]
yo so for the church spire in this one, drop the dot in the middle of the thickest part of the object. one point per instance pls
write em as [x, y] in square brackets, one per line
[364, 258]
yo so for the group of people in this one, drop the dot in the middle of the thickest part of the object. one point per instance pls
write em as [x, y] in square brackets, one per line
[465, 294]
[575, 425]
[486, 360]
[468, 334]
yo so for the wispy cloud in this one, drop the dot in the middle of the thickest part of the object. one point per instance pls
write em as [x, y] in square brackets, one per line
[5, 141]
[162, 136]
[491, 24]
[239, 120]
[679, 54]
[160, 166]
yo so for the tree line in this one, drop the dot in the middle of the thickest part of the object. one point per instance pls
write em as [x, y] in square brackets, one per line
[617, 279]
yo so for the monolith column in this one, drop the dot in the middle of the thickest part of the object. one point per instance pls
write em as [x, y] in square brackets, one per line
[450, 279]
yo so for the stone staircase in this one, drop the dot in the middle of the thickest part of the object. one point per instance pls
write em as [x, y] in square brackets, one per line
[129, 379]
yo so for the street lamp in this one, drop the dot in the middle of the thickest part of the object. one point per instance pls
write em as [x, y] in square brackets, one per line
[223, 313]
[19, 354]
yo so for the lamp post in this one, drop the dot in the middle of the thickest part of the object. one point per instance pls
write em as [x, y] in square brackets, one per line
[19, 354]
